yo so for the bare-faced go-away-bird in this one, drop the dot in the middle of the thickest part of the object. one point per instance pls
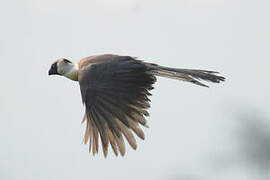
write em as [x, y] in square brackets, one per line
[115, 92]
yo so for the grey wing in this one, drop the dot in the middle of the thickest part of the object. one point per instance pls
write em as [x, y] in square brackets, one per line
[115, 96]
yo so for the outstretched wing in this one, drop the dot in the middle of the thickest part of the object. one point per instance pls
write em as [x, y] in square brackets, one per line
[114, 90]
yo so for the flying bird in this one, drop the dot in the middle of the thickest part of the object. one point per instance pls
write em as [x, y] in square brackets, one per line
[115, 91]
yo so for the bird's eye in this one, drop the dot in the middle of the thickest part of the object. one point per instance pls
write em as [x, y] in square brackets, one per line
[53, 65]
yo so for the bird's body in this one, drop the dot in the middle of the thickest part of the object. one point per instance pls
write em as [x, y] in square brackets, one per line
[115, 92]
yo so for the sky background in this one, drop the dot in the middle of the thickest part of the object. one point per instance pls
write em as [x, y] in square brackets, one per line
[195, 133]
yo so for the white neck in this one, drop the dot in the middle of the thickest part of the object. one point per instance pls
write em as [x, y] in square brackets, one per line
[72, 73]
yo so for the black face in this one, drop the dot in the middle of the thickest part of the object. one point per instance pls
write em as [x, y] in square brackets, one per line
[53, 69]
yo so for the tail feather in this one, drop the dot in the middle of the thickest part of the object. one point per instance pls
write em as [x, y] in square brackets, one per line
[190, 75]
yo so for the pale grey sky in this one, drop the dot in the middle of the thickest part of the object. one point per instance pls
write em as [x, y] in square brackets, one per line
[40, 130]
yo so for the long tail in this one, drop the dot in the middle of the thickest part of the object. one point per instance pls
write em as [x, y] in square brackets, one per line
[190, 75]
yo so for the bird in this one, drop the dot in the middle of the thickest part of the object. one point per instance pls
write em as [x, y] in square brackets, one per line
[115, 92]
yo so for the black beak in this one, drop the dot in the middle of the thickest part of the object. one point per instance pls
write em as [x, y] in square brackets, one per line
[51, 72]
[53, 69]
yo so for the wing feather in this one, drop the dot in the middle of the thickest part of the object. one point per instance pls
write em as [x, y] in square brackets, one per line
[115, 92]
[113, 142]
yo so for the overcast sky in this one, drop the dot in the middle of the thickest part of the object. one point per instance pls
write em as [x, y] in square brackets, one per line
[40, 116]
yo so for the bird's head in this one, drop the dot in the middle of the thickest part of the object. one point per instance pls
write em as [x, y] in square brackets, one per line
[64, 67]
